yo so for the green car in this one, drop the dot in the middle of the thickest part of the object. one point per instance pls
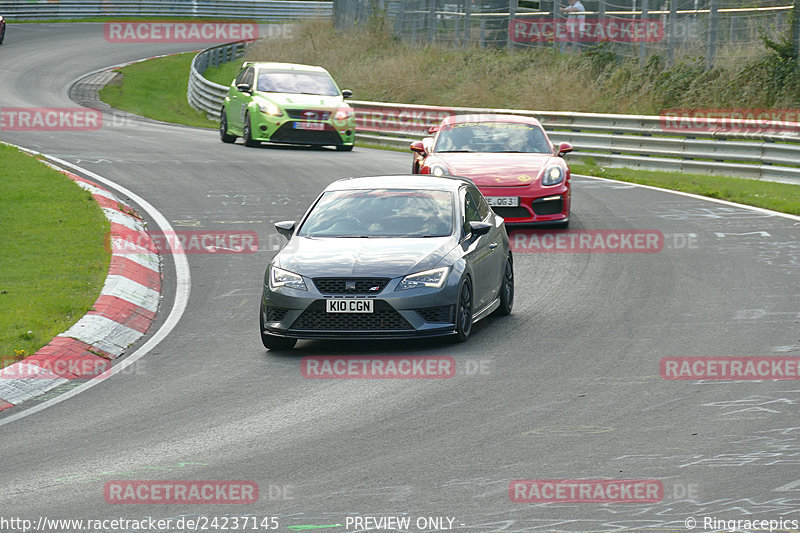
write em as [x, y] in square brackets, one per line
[287, 103]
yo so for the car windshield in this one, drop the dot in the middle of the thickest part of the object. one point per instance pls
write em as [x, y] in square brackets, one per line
[492, 137]
[381, 213]
[296, 82]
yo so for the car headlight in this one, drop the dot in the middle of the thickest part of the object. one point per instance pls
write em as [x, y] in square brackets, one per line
[429, 278]
[343, 113]
[439, 170]
[553, 175]
[268, 108]
[279, 277]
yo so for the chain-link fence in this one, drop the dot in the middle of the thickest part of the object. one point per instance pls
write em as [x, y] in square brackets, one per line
[715, 30]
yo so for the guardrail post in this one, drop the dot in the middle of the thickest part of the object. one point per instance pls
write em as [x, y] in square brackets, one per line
[673, 14]
[431, 20]
[512, 13]
[468, 21]
[796, 29]
[712, 34]
[643, 44]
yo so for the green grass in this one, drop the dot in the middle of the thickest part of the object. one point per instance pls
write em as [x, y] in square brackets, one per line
[54, 254]
[157, 89]
[775, 196]
[224, 73]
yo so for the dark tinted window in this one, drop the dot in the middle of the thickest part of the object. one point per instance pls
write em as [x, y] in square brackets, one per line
[471, 213]
[483, 207]
[240, 77]
[248, 76]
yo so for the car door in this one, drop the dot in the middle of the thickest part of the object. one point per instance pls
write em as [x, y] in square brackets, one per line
[495, 240]
[237, 106]
[478, 252]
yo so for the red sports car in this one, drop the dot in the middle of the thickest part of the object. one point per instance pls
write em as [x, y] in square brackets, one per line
[511, 160]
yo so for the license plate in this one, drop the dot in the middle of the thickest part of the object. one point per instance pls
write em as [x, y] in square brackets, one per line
[503, 201]
[316, 126]
[348, 305]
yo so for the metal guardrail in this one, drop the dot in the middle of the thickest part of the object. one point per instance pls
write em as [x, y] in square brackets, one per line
[758, 150]
[271, 10]
[205, 95]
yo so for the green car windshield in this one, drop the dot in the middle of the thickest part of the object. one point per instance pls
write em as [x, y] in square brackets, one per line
[296, 82]
[381, 213]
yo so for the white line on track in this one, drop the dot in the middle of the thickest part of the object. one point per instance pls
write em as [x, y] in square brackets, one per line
[182, 290]
[696, 196]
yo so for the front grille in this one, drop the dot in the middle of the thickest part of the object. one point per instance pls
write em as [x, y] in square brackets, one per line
[359, 285]
[300, 114]
[288, 134]
[437, 314]
[512, 212]
[383, 318]
[548, 207]
[276, 314]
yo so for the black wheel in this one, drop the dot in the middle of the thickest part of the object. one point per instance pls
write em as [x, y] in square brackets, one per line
[506, 290]
[344, 147]
[464, 311]
[247, 134]
[273, 342]
[223, 128]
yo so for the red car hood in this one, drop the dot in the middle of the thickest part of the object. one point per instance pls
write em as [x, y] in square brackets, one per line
[497, 170]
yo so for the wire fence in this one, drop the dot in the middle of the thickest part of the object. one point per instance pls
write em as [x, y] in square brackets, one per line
[714, 30]
[268, 10]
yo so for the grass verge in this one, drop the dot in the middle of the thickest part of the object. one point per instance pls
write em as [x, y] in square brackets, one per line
[54, 255]
[156, 89]
[775, 196]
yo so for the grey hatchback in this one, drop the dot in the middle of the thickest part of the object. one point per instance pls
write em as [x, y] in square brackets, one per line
[388, 257]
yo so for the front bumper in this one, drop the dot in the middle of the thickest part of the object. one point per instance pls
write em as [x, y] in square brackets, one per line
[543, 206]
[410, 313]
[284, 130]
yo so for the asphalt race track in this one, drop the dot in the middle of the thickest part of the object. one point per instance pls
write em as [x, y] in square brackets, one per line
[567, 387]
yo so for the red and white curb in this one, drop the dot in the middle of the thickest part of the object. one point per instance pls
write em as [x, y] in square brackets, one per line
[121, 315]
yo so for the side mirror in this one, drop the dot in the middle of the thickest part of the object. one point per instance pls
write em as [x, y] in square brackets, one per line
[285, 228]
[243, 88]
[433, 129]
[564, 148]
[347, 93]
[418, 147]
[479, 228]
